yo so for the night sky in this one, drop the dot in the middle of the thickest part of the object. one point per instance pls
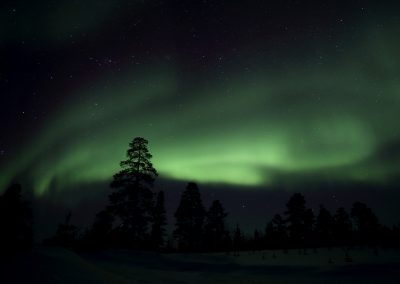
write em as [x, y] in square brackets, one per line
[248, 98]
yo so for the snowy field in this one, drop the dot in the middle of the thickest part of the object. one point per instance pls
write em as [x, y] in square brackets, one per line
[57, 265]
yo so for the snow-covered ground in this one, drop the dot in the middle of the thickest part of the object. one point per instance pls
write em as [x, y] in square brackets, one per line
[57, 265]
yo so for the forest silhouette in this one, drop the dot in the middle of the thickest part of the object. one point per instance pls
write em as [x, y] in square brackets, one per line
[135, 218]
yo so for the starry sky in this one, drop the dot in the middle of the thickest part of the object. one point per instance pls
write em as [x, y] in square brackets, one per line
[245, 96]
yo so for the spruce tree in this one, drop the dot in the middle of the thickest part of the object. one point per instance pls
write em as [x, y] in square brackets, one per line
[215, 233]
[366, 223]
[257, 240]
[275, 232]
[324, 227]
[159, 223]
[189, 219]
[100, 234]
[238, 239]
[342, 228]
[66, 234]
[296, 217]
[15, 222]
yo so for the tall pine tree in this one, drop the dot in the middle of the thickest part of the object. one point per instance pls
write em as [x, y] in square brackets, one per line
[132, 203]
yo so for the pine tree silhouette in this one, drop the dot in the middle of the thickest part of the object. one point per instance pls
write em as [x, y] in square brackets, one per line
[15, 222]
[296, 213]
[324, 227]
[257, 241]
[342, 227]
[66, 234]
[100, 234]
[276, 233]
[189, 219]
[366, 224]
[132, 203]
[215, 234]
[159, 222]
[309, 224]
[238, 239]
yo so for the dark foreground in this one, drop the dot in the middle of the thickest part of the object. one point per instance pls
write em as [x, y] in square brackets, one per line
[57, 265]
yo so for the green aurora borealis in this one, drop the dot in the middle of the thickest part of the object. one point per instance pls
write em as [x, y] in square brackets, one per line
[321, 115]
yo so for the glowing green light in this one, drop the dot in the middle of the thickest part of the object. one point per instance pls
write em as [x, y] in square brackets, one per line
[241, 132]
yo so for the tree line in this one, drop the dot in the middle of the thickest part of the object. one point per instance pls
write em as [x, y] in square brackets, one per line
[135, 217]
